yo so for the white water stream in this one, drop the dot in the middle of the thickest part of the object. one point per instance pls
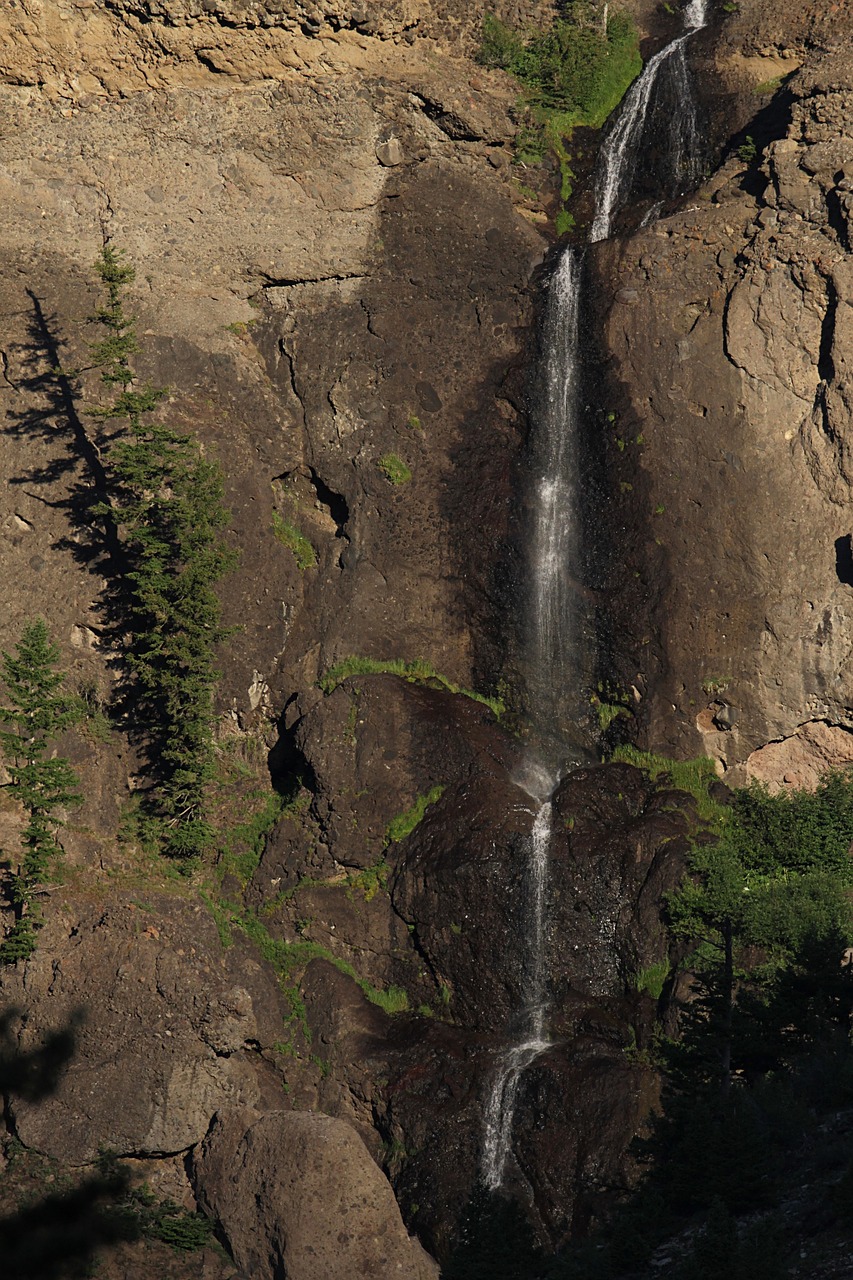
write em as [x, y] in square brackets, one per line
[554, 548]
[621, 146]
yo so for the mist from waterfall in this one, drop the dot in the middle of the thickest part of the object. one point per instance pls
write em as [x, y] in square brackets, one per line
[554, 624]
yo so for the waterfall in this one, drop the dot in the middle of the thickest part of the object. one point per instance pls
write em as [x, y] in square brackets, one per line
[554, 547]
[500, 1107]
[555, 529]
[621, 147]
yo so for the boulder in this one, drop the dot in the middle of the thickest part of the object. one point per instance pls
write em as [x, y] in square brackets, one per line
[297, 1194]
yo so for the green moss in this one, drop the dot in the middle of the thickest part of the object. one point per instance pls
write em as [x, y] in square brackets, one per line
[290, 537]
[394, 469]
[417, 671]
[244, 845]
[653, 978]
[371, 880]
[405, 823]
[692, 776]
[392, 999]
[564, 222]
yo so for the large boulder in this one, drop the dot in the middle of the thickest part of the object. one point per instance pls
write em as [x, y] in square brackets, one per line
[297, 1195]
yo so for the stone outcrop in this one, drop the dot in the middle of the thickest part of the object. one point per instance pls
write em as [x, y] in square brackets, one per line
[727, 345]
[329, 1214]
[166, 1028]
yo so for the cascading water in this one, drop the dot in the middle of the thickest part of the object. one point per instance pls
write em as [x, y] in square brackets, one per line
[622, 145]
[555, 529]
[500, 1107]
[553, 622]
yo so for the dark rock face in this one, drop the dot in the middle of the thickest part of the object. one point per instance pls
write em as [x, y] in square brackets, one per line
[615, 852]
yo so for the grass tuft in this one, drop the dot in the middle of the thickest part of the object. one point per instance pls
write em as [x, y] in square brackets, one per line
[290, 537]
[415, 672]
[394, 469]
[405, 823]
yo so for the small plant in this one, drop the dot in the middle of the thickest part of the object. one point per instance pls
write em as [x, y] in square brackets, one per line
[392, 1000]
[95, 721]
[747, 151]
[405, 823]
[610, 703]
[394, 469]
[564, 222]
[240, 327]
[290, 537]
[714, 685]
[414, 422]
[653, 978]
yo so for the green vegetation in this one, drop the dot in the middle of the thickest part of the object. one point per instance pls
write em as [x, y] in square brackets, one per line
[747, 151]
[372, 880]
[574, 73]
[572, 67]
[418, 672]
[163, 1220]
[405, 823]
[290, 959]
[36, 712]
[653, 978]
[610, 704]
[290, 537]
[394, 469]
[762, 1053]
[692, 776]
[166, 506]
[244, 843]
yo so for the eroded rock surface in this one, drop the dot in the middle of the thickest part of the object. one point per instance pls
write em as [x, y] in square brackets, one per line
[328, 1215]
[167, 1028]
[728, 342]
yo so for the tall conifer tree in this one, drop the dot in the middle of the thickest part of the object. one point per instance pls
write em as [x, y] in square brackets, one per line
[37, 711]
[166, 500]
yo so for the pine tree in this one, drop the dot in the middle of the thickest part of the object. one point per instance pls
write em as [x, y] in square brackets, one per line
[166, 500]
[37, 712]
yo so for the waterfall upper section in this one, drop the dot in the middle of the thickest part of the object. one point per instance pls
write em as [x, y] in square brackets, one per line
[553, 627]
[624, 142]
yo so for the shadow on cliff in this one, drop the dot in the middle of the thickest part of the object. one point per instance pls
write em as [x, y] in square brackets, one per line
[53, 1236]
[74, 481]
[50, 394]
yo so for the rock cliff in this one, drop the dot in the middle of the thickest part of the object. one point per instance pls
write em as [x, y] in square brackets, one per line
[339, 279]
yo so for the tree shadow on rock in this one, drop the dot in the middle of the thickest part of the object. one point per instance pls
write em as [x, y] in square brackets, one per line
[53, 1236]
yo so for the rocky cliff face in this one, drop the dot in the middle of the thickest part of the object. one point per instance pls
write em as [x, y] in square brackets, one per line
[727, 338]
[338, 279]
